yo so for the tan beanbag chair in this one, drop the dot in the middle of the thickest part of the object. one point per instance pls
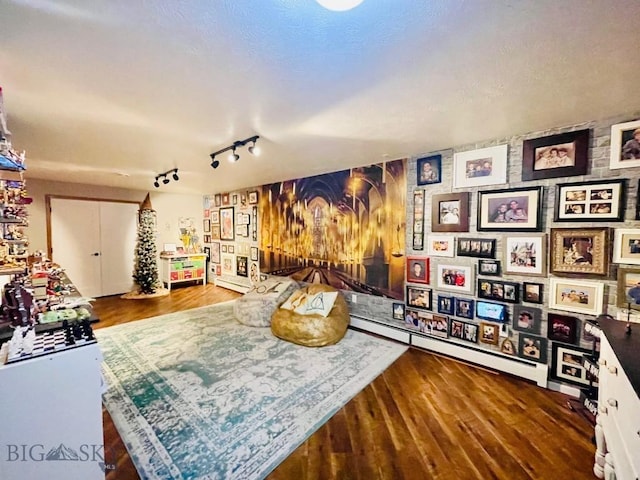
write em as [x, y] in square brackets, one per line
[312, 330]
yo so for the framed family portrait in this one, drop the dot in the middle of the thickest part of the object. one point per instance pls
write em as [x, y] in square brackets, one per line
[463, 331]
[227, 230]
[398, 311]
[458, 278]
[532, 292]
[429, 170]
[476, 247]
[567, 365]
[484, 166]
[450, 212]
[562, 155]
[527, 319]
[418, 269]
[628, 288]
[499, 290]
[525, 255]
[574, 295]
[418, 297]
[626, 246]
[489, 267]
[625, 145]
[465, 308]
[598, 201]
[582, 251]
[437, 326]
[446, 304]
[514, 209]
[562, 328]
[489, 333]
[532, 347]
[441, 245]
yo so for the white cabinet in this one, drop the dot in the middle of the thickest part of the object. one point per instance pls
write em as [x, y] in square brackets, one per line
[51, 417]
[184, 267]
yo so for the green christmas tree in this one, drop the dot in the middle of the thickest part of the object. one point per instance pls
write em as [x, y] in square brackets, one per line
[145, 272]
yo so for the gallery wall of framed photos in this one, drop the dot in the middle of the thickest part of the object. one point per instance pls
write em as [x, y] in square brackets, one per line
[539, 232]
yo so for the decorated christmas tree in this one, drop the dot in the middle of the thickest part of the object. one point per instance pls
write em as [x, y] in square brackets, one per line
[145, 272]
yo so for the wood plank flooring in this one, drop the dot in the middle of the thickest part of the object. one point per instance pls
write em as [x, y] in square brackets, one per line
[425, 417]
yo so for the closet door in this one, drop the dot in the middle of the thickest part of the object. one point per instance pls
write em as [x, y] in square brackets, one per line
[118, 234]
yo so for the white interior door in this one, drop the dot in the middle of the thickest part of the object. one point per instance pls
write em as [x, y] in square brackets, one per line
[75, 242]
[95, 243]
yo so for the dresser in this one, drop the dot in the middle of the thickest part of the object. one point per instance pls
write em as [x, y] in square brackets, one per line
[184, 267]
[618, 421]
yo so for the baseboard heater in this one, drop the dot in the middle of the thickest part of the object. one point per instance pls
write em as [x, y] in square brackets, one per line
[536, 372]
[236, 287]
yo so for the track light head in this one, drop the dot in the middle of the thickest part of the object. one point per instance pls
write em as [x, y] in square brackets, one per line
[254, 149]
[233, 156]
[156, 184]
[214, 163]
[165, 180]
[175, 174]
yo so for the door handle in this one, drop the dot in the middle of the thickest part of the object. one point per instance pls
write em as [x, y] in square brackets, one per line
[95, 254]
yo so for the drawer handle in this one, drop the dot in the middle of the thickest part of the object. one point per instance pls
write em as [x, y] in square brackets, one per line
[613, 402]
[613, 370]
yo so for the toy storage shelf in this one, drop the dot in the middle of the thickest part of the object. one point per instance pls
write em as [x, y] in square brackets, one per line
[184, 267]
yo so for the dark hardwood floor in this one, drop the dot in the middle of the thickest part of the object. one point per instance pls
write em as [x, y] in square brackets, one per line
[425, 417]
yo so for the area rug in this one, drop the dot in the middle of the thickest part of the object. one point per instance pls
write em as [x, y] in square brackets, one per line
[196, 395]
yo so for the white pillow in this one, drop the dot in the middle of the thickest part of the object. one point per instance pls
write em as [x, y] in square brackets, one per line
[306, 304]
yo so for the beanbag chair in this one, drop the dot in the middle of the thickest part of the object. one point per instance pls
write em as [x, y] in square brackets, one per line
[255, 308]
[314, 316]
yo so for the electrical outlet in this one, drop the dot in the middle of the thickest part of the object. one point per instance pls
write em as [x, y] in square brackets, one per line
[354, 298]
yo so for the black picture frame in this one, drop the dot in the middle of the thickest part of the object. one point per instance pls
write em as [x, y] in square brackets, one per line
[465, 308]
[419, 297]
[476, 247]
[242, 266]
[567, 365]
[498, 290]
[227, 223]
[534, 167]
[562, 328]
[489, 268]
[397, 311]
[435, 170]
[510, 210]
[463, 330]
[532, 347]
[532, 292]
[447, 203]
[446, 304]
[527, 319]
[596, 201]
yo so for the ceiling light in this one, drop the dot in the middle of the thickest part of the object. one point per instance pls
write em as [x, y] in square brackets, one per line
[214, 163]
[165, 177]
[175, 174]
[156, 184]
[339, 5]
[254, 149]
[165, 180]
[233, 155]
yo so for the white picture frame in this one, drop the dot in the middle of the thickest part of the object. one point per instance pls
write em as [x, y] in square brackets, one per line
[444, 272]
[228, 262]
[623, 250]
[441, 245]
[566, 294]
[470, 168]
[621, 133]
[525, 254]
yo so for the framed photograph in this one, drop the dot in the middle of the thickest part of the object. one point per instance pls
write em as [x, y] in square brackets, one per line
[224, 249]
[418, 269]
[254, 254]
[494, 312]
[217, 200]
[418, 220]
[429, 170]
[532, 292]
[253, 197]
[489, 333]
[527, 319]
[242, 230]
[507, 347]
[228, 263]
[397, 309]
[625, 145]
[562, 155]
[476, 247]
[567, 365]
[235, 199]
[227, 230]
[414, 319]
[532, 348]
[450, 212]
[598, 201]
[206, 225]
[574, 295]
[562, 328]
[626, 246]
[458, 278]
[628, 288]
[243, 199]
[206, 238]
[514, 209]
[215, 232]
[225, 199]
[463, 331]
[489, 267]
[231, 249]
[465, 308]
[215, 252]
[485, 166]
[242, 268]
[207, 252]
[526, 255]
[215, 217]
[446, 304]
[418, 297]
[583, 251]
[437, 326]
[441, 245]
[499, 290]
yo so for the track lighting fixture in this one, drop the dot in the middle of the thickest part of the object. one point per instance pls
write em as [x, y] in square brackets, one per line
[233, 155]
[165, 177]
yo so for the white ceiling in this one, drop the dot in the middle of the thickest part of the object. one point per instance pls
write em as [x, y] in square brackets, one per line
[112, 92]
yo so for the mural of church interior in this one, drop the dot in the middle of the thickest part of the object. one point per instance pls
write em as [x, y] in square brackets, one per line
[345, 229]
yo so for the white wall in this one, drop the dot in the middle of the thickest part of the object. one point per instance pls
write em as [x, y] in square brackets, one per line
[169, 208]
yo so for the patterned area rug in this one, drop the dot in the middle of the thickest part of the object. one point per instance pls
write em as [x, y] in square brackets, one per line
[196, 395]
